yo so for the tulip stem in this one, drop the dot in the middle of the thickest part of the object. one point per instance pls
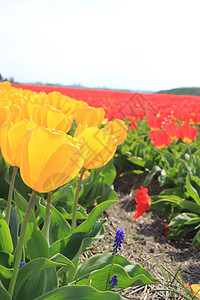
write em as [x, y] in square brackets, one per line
[76, 201]
[111, 268]
[10, 193]
[18, 253]
[46, 220]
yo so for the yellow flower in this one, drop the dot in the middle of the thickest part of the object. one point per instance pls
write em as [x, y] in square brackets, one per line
[56, 119]
[85, 175]
[98, 147]
[11, 137]
[49, 159]
[90, 116]
[15, 113]
[118, 129]
[4, 113]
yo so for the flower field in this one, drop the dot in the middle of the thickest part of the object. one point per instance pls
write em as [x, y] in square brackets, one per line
[60, 148]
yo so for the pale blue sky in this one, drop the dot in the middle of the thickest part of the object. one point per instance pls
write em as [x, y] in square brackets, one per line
[123, 44]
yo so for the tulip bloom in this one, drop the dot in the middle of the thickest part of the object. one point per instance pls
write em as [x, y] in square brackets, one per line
[154, 122]
[98, 147]
[118, 129]
[160, 138]
[11, 137]
[187, 133]
[172, 130]
[90, 116]
[49, 159]
[195, 288]
[4, 113]
[51, 118]
[143, 202]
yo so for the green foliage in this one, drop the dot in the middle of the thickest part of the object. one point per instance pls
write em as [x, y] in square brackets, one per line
[79, 292]
[195, 91]
[176, 167]
[97, 187]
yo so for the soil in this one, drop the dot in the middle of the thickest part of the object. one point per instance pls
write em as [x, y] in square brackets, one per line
[145, 244]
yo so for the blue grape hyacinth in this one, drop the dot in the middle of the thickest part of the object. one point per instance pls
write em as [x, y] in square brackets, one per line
[119, 238]
[22, 264]
[113, 281]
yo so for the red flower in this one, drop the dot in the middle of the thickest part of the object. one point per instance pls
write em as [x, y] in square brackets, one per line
[187, 133]
[160, 138]
[143, 202]
[172, 130]
[154, 122]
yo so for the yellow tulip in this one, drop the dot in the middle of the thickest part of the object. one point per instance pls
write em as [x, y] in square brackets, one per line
[90, 116]
[118, 129]
[5, 85]
[28, 110]
[56, 119]
[11, 137]
[4, 113]
[15, 113]
[49, 159]
[56, 99]
[69, 106]
[98, 147]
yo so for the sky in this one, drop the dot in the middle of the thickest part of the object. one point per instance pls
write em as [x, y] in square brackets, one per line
[118, 44]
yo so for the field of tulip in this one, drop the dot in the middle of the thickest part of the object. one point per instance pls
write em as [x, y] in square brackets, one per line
[60, 148]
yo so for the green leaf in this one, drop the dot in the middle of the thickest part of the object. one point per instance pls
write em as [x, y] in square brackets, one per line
[150, 175]
[64, 194]
[182, 224]
[170, 158]
[75, 244]
[20, 186]
[162, 177]
[108, 173]
[95, 213]
[137, 161]
[62, 259]
[4, 295]
[67, 211]
[99, 261]
[6, 261]
[14, 225]
[6, 272]
[131, 275]
[196, 240]
[191, 206]
[192, 191]
[6, 244]
[35, 243]
[164, 203]
[81, 293]
[59, 227]
[36, 278]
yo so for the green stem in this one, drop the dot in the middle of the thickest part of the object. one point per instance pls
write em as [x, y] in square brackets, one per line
[18, 254]
[107, 283]
[46, 220]
[76, 201]
[130, 227]
[10, 193]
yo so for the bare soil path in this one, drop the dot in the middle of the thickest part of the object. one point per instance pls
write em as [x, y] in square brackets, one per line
[145, 243]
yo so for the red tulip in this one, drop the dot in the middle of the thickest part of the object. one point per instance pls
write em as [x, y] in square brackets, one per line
[143, 202]
[154, 122]
[187, 133]
[160, 138]
[172, 130]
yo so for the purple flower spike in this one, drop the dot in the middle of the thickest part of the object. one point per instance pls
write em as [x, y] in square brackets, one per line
[113, 281]
[119, 238]
[22, 264]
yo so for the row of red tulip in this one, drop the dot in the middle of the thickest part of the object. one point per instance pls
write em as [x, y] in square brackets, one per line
[162, 111]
